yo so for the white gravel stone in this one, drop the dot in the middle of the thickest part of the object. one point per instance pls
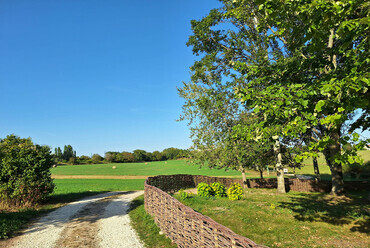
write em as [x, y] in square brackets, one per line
[45, 231]
[114, 226]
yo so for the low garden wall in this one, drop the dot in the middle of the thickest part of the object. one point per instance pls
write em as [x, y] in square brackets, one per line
[182, 224]
[187, 228]
[305, 185]
[173, 183]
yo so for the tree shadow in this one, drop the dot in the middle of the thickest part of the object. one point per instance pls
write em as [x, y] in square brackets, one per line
[70, 197]
[320, 207]
[90, 207]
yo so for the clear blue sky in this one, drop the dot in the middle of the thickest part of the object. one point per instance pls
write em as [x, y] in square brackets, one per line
[98, 75]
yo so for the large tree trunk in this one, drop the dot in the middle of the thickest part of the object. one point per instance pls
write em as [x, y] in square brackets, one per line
[279, 169]
[335, 168]
[316, 168]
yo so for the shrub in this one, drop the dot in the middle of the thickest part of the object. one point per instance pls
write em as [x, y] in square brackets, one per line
[184, 195]
[235, 192]
[72, 161]
[25, 177]
[204, 190]
[218, 189]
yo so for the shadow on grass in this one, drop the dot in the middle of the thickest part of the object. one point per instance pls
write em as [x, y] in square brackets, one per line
[320, 207]
[135, 203]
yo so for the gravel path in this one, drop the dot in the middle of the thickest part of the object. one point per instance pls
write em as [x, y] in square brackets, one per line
[98, 221]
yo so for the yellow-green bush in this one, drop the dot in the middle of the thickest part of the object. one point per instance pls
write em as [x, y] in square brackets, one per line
[218, 189]
[235, 192]
[204, 190]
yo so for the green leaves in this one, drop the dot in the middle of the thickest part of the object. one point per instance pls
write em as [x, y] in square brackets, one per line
[319, 105]
[25, 177]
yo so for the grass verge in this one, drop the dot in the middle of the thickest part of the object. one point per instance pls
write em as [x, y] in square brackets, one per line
[145, 226]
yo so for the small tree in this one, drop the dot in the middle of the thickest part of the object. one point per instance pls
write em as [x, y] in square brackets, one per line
[25, 177]
[127, 157]
[140, 155]
[96, 159]
[158, 156]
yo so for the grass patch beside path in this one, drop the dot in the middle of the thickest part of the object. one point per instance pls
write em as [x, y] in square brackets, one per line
[294, 219]
[67, 190]
[145, 226]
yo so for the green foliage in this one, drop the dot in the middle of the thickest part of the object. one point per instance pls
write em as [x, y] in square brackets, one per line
[184, 195]
[141, 155]
[204, 190]
[83, 159]
[357, 169]
[97, 159]
[301, 67]
[25, 177]
[219, 189]
[72, 161]
[235, 192]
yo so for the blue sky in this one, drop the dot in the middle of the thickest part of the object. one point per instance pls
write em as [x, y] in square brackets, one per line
[98, 75]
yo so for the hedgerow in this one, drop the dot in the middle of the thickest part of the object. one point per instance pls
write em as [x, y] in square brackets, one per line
[25, 177]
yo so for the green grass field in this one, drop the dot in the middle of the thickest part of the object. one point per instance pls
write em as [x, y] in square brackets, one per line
[67, 190]
[293, 219]
[182, 167]
[141, 169]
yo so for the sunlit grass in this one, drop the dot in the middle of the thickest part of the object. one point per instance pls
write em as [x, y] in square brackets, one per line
[145, 226]
[142, 169]
[292, 220]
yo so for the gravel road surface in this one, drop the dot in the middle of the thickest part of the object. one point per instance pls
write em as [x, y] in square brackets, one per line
[98, 221]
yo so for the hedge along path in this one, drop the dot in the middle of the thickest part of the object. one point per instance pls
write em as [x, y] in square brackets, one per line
[98, 221]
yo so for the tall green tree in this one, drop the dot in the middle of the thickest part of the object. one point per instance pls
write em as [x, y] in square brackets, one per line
[298, 65]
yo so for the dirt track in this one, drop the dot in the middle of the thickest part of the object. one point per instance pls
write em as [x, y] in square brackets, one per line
[97, 221]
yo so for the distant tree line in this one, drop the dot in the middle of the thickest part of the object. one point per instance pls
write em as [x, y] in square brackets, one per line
[141, 155]
[68, 155]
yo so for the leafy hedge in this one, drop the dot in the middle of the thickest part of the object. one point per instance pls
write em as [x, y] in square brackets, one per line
[25, 177]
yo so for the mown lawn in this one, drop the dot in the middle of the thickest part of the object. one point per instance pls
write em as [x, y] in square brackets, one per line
[141, 169]
[183, 167]
[294, 219]
[67, 190]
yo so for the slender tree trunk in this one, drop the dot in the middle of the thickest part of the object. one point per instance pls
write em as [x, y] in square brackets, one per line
[261, 171]
[279, 169]
[316, 168]
[335, 168]
[243, 174]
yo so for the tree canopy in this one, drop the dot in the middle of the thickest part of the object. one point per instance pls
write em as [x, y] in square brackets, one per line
[301, 67]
